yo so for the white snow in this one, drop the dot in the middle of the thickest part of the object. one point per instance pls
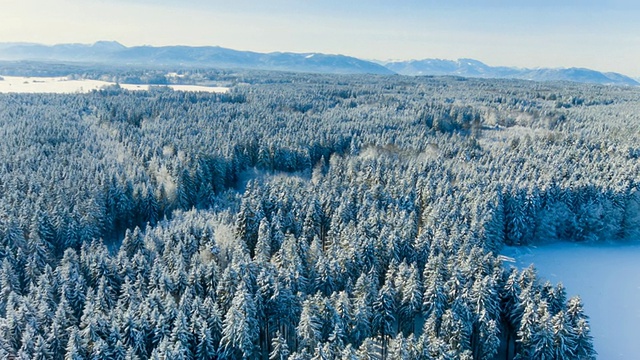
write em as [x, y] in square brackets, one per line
[607, 278]
[63, 85]
[58, 85]
[212, 89]
[175, 75]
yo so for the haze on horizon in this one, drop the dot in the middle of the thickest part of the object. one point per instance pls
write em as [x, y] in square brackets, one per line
[601, 35]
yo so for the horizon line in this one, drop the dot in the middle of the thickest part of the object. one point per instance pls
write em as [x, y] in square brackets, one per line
[376, 61]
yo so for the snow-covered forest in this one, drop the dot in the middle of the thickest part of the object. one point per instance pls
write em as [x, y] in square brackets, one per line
[307, 217]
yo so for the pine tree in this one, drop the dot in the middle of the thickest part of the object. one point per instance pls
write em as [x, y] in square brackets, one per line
[42, 350]
[489, 339]
[384, 310]
[75, 349]
[58, 335]
[313, 222]
[280, 349]
[240, 327]
[205, 347]
[410, 297]
[28, 339]
[579, 322]
[434, 298]
[527, 330]
[181, 336]
[132, 242]
[263, 245]
[100, 351]
[564, 338]
[248, 222]
[542, 338]
[309, 329]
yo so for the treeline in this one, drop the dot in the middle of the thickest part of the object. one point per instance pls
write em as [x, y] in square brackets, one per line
[326, 217]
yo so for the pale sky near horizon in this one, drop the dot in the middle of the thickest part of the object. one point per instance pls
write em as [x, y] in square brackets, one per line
[602, 35]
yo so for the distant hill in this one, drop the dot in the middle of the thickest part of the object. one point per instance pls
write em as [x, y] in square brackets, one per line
[205, 56]
[475, 68]
[111, 52]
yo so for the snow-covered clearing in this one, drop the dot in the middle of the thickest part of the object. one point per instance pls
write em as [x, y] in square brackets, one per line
[607, 278]
[211, 89]
[63, 85]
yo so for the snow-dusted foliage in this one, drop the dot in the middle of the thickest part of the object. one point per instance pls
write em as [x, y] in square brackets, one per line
[306, 216]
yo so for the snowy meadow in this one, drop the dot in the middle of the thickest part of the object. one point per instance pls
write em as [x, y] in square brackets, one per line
[64, 85]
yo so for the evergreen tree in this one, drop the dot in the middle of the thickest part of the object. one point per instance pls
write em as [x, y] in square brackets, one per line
[310, 326]
[263, 245]
[280, 348]
[76, 349]
[240, 327]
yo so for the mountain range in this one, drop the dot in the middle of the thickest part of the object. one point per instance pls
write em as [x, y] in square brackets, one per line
[475, 68]
[111, 52]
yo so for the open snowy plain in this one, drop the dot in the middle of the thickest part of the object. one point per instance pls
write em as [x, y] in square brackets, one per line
[606, 277]
[63, 85]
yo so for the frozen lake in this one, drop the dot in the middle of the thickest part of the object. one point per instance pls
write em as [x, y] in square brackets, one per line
[607, 278]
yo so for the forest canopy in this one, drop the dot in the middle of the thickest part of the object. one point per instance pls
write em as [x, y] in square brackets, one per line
[306, 216]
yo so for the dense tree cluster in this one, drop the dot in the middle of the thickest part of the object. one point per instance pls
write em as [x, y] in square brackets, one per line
[306, 217]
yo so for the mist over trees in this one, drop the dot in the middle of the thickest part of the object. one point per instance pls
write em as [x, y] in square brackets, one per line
[306, 217]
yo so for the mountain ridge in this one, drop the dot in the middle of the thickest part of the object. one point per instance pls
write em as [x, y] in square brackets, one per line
[193, 56]
[474, 68]
[109, 52]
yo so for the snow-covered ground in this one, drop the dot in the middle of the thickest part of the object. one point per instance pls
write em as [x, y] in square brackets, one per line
[212, 89]
[607, 278]
[63, 85]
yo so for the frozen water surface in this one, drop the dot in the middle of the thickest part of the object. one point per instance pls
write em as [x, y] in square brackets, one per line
[607, 278]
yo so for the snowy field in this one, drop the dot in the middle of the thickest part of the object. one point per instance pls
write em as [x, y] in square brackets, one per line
[607, 278]
[63, 85]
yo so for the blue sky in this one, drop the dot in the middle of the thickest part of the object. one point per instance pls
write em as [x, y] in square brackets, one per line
[603, 35]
